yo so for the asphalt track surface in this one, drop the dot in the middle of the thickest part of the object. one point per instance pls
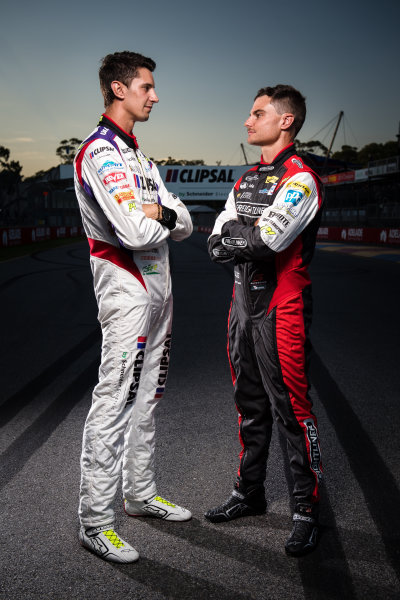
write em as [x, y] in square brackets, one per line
[50, 357]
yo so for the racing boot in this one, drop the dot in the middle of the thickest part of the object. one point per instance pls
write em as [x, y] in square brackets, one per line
[304, 536]
[239, 505]
[107, 544]
[156, 507]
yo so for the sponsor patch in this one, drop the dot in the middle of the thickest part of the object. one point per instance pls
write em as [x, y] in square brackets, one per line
[113, 178]
[271, 179]
[164, 362]
[274, 224]
[315, 452]
[268, 230]
[110, 165]
[297, 185]
[234, 242]
[249, 208]
[123, 196]
[118, 187]
[294, 197]
[97, 151]
[256, 286]
[151, 270]
[279, 217]
[295, 161]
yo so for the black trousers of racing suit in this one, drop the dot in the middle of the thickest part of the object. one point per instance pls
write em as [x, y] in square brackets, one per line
[270, 314]
[269, 356]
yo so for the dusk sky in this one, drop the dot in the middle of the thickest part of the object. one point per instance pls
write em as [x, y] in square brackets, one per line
[211, 57]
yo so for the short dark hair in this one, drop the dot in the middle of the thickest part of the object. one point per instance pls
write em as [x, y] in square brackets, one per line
[123, 67]
[286, 98]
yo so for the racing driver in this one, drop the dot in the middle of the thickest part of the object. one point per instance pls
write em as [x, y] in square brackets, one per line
[268, 229]
[128, 216]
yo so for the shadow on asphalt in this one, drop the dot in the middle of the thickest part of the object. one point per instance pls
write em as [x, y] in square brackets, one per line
[324, 573]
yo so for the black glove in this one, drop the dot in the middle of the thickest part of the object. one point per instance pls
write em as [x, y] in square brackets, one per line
[169, 217]
[218, 253]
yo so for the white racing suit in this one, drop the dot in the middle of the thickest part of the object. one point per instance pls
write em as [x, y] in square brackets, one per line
[130, 265]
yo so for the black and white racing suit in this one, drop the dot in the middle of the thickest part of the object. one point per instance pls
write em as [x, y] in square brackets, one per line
[130, 265]
[270, 316]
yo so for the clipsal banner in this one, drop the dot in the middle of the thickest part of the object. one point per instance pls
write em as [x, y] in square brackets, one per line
[201, 182]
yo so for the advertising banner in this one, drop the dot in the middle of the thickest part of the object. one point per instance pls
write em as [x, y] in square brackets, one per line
[201, 182]
[366, 235]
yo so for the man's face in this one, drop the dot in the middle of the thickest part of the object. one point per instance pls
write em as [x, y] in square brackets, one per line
[140, 95]
[264, 123]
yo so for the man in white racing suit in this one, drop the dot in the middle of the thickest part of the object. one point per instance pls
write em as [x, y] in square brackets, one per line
[128, 215]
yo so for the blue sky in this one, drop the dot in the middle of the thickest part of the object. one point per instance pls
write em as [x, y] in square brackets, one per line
[211, 57]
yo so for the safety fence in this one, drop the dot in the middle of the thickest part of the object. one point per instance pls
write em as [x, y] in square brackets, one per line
[365, 235]
[16, 236]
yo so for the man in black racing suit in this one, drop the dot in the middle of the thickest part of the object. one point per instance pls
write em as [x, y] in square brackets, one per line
[268, 229]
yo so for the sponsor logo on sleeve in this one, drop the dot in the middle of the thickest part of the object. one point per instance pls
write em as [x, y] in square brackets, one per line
[297, 185]
[293, 196]
[268, 230]
[288, 208]
[279, 217]
[113, 178]
[275, 225]
[123, 196]
[110, 166]
[118, 187]
[234, 242]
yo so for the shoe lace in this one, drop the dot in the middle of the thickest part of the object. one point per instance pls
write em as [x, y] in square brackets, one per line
[113, 538]
[164, 501]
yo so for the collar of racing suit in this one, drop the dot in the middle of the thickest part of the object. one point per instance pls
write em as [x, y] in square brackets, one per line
[281, 156]
[128, 138]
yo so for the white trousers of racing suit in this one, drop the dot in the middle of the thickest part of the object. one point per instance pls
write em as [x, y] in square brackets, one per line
[120, 428]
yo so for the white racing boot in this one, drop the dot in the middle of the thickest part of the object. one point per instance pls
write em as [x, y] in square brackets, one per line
[156, 507]
[107, 544]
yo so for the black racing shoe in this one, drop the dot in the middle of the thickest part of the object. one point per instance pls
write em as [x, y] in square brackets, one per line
[238, 505]
[304, 536]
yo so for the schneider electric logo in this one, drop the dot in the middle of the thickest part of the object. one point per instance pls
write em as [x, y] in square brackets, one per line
[199, 175]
